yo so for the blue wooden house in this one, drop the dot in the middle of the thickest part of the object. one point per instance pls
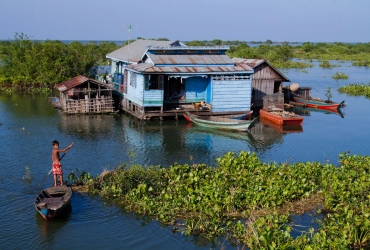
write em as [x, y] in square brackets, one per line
[149, 73]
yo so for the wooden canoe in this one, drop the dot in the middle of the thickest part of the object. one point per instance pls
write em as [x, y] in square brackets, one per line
[219, 122]
[318, 103]
[246, 116]
[51, 202]
[306, 111]
[282, 117]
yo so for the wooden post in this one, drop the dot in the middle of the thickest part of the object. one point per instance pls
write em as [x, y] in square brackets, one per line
[86, 104]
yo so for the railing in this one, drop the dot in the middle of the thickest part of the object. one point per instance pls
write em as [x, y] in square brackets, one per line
[95, 105]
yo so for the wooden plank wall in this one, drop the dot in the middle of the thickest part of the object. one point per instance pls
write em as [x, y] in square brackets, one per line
[263, 87]
[264, 78]
[264, 71]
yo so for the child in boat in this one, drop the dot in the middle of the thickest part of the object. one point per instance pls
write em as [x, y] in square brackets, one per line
[57, 167]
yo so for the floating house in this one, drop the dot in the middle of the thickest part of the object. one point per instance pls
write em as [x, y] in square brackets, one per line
[83, 95]
[267, 79]
[159, 79]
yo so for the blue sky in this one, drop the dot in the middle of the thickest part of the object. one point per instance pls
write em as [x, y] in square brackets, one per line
[245, 20]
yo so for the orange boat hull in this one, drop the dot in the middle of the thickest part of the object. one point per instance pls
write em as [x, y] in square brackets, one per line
[279, 119]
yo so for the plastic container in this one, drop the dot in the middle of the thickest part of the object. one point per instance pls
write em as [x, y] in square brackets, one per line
[294, 87]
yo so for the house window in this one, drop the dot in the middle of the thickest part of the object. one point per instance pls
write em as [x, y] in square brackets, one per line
[133, 79]
[153, 82]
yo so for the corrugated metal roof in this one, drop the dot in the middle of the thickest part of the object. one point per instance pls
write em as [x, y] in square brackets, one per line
[191, 59]
[147, 68]
[253, 63]
[156, 48]
[78, 80]
[135, 50]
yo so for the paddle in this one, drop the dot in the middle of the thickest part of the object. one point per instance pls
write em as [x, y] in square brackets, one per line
[52, 169]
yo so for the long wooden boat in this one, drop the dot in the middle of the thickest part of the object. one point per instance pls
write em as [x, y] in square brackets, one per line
[219, 122]
[306, 111]
[282, 117]
[246, 116]
[51, 202]
[318, 103]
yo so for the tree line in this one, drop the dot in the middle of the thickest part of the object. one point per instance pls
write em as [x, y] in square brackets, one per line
[26, 63]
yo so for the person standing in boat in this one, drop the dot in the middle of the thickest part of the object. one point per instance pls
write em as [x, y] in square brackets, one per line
[56, 166]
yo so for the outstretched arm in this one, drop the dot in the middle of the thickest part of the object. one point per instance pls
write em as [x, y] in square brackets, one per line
[67, 148]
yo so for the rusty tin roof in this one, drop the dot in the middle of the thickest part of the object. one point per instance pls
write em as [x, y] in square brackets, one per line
[78, 80]
[183, 59]
[146, 68]
[253, 63]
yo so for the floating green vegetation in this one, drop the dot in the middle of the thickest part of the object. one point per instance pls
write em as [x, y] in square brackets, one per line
[304, 71]
[249, 202]
[28, 175]
[79, 178]
[356, 89]
[326, 64]
[279, 54]
[339, 75]
[365, 63]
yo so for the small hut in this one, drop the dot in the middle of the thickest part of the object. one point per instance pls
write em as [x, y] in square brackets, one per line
[266, 80]
[83, 95]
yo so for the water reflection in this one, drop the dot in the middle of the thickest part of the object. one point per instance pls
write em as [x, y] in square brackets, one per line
[86, 127]
[239, 135]
[264, 137]
[307, 111]
[282, 128]
[48, 229]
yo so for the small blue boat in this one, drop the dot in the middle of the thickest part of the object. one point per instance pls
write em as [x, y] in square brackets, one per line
[52, 202]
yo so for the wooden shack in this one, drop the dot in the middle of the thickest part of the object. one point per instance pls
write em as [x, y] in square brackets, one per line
[83, 95]
[266, 79]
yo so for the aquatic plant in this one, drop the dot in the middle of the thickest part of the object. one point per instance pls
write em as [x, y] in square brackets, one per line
[79, 178]
[249, 202]
[28, 175]
[340, 75]
[325, 64]
[356, 89]
[328, 93]
[365, 63]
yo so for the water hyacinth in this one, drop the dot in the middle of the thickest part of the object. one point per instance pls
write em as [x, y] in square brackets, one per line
[356, 89]
[249, 202]
[339, 75]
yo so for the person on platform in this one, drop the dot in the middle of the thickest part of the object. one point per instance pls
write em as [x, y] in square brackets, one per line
[178, 95]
